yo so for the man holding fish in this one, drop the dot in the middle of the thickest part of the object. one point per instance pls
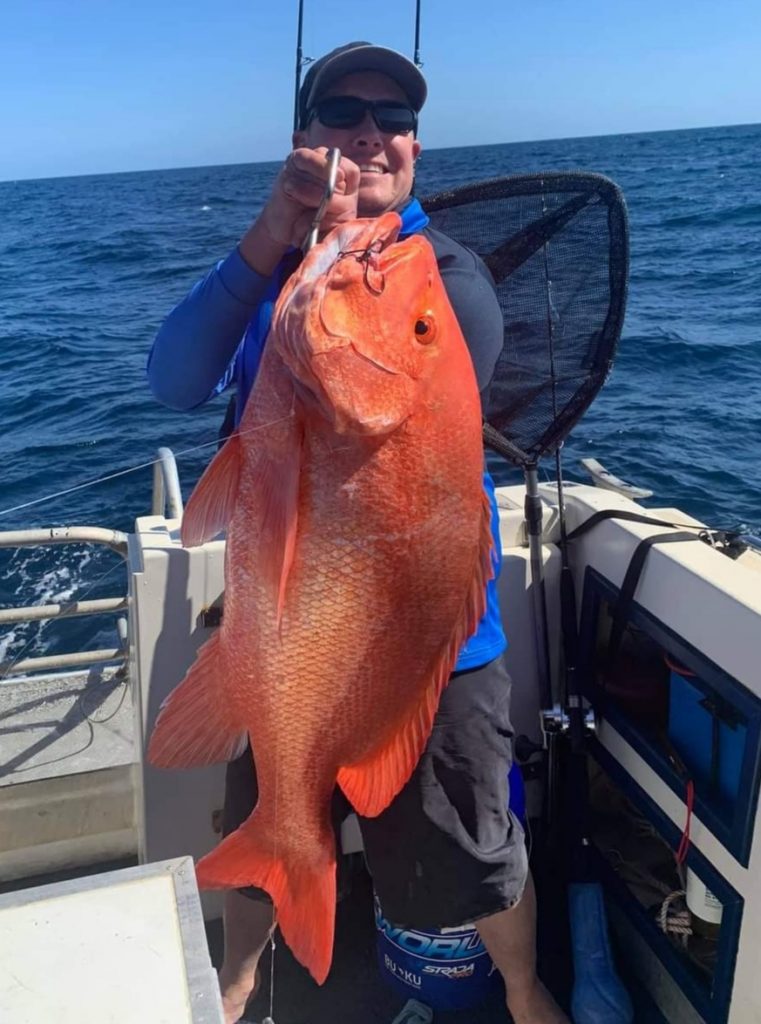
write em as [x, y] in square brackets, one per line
[362, 643]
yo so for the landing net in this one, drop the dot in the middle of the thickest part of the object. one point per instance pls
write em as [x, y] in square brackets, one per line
[557, 246]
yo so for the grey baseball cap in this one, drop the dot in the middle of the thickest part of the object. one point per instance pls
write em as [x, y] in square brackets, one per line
[360, 56]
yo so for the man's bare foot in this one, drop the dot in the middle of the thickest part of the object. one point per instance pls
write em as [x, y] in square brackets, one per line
[235, 997]
[536, 1007]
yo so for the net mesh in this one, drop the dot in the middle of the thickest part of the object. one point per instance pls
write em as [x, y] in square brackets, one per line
[557, 246]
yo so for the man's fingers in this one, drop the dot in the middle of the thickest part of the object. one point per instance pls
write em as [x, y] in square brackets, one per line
[304, 191]
[351, 174]
[347, 176]
[300, 189]
[311, 167]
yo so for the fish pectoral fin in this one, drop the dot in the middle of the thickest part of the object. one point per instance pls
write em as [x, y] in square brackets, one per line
[210, 506]
[196, 725]
[304, 894]
[370, 785]
[278, 487]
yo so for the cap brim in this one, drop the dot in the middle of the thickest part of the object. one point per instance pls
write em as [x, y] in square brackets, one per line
[372, 58]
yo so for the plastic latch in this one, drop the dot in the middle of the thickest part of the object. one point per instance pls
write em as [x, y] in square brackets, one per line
[414, 1013]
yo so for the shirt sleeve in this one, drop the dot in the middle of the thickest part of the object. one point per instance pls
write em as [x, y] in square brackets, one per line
[194, 351]
[471, 292]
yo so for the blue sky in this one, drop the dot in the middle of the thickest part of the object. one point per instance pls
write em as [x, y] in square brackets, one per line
[92, 86]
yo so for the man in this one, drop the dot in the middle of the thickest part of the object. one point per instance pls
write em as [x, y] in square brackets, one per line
[447, 850]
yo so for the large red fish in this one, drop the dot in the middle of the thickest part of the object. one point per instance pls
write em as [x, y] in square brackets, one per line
[358, 549]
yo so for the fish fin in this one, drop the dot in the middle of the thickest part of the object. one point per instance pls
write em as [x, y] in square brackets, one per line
[371, 784]
[195, 724]
[210, 506]
[304, 895]
[278, 485]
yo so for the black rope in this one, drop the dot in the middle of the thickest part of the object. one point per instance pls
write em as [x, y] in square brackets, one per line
[625, 600]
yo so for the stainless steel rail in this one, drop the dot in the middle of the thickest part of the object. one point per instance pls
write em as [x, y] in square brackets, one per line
[116, 541]
[63, 661]
[34, 613]
[167, 501]
[167, 496]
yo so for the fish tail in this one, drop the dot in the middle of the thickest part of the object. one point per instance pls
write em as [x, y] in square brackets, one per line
[304, 894]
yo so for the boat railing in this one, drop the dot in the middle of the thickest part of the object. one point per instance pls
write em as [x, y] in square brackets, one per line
[166, 501]
[167, 497]
[113, 539]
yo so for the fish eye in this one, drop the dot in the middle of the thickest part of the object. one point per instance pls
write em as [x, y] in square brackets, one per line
[425, 330]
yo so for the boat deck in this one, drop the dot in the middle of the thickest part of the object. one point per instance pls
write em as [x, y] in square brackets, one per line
[65, 724]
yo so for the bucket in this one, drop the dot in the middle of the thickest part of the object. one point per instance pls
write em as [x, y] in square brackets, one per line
[703, 905]
[447, 968]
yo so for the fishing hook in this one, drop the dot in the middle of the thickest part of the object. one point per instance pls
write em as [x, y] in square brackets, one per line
[366, 256]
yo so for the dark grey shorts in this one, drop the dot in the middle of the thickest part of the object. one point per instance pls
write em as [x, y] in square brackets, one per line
[447, 850]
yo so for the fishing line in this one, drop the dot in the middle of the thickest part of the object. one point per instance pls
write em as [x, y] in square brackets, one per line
[333, 158]
[134, 469]
[273, 946]
[270, 1019]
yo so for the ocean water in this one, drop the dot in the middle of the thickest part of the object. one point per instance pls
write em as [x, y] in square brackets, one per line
[90, 266]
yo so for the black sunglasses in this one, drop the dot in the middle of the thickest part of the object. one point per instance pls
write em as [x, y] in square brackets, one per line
[349, 111]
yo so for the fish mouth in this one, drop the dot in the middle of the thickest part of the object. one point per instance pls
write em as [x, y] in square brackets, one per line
[343, 385]
[373, 361]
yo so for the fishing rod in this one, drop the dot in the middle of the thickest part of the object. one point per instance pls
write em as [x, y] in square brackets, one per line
[598, 993]
[416, 58]
[302, 61]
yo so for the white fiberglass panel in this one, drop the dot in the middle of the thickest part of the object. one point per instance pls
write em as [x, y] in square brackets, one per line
[111, 955]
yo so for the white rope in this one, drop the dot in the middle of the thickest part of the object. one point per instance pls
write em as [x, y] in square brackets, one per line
[133, 469]
[672, 920]
[675, 921]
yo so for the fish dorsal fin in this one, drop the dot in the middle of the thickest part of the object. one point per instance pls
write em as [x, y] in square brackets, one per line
[372, 784]
[210, 506]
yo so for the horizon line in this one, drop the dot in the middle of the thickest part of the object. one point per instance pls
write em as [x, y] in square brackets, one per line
[428, 149]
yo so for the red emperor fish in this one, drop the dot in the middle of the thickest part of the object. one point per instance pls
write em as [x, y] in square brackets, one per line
[358, 552]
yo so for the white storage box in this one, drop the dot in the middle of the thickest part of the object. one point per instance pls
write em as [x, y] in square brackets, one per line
[124, 947]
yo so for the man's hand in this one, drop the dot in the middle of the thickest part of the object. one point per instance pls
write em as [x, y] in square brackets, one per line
[298, 191]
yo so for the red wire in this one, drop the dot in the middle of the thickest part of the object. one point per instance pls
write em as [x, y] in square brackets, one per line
[676, 667]
[684, 843]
